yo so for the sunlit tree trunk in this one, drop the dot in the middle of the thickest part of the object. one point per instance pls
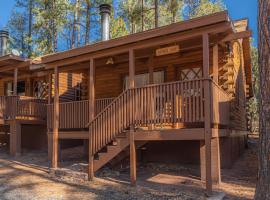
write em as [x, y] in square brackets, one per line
[263, 184]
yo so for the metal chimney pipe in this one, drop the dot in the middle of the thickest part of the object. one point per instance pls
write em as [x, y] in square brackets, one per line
[105, 12]
[3, 42]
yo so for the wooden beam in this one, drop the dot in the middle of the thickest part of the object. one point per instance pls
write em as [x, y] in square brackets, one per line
[236, 36]
[133, 175]
[162, 40]
[50, 88]
[15, 138]
[91, 116]
[207, 120]
[215, 63]
[131, 69]
[173, 134]
[12, 67]
[151, 69]
[15, 81]
[192, 24]
[55, 119]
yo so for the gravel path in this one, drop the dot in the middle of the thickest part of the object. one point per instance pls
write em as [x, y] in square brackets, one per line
[27, 178]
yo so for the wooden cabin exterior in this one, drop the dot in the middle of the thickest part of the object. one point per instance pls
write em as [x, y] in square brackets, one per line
[24, 86]
[187, 81]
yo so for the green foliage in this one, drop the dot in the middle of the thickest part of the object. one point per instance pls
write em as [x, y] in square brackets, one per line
[206, 7]
[40, 27]
[118, 28]
[253, 103]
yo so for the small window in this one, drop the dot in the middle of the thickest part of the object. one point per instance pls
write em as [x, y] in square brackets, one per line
[190, 73]
[21, 88]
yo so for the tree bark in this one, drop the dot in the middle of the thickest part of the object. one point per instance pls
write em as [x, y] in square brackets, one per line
[87, 22]
[263, 184]
[156, 13]
[30, 17]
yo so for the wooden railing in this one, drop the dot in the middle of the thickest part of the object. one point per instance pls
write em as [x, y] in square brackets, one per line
[22, 107]
[101, 104]
[220, 105]
[75, 114]
[31, 108]
[173, 102]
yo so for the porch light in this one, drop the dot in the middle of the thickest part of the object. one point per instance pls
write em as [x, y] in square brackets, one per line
[110, 61]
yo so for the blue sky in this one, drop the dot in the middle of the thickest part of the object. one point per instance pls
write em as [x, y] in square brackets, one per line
[237, 9]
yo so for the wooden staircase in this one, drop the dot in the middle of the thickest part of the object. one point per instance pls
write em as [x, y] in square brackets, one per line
[142, 107]
[112, 150]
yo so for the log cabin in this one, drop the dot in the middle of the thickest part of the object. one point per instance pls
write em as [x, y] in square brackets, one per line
[184, 85]
[23, 101]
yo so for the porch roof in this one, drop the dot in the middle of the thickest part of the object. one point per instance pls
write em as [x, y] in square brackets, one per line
[183, 26]
[10, 62]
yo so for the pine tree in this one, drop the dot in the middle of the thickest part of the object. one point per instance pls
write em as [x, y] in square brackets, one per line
[263, 186]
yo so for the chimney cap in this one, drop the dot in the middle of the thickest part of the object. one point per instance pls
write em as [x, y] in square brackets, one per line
[4, 33]
[105, 8]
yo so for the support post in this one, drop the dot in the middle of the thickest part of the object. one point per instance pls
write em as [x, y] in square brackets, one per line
[215, 160]
[15, 138]
[133, 175]
[215, 63]
[55, 119]
[207, 117]
[151, 81]
[15, 81]
[91, 117]
[131, 136]
[131, 69]
[49, 88]
[151, 70]
[49, 134]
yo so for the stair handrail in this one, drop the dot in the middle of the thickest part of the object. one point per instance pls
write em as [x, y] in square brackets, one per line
[102, 130]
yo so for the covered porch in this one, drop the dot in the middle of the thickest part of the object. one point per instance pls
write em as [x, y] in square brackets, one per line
[161, 84]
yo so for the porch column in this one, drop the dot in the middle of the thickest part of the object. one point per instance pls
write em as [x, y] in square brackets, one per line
[131, 137]
[151, 81]
[91, 88]
[15, 138]
[151, 70]
[55, 119]
[49, 88]
[215, 160]
[15, 81]
[215, 63]
[49, 135]
[207, 117]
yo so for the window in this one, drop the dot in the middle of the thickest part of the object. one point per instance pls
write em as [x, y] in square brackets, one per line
[20, 88]
[143, 79]
[190, 73]
[40, 89]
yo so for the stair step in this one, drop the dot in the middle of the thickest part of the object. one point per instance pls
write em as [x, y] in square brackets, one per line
[112, 151]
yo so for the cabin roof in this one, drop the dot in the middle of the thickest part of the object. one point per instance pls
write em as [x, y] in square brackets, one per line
[137, 37]
[10, 59]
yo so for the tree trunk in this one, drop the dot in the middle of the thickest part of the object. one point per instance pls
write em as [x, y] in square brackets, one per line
[87, 22]
[263, 184]
[30, 17]
[156, 13]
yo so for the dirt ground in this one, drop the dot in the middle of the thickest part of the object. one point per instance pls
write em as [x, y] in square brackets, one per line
[27, 178]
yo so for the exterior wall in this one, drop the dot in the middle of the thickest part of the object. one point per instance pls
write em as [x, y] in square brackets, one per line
[110, 78]
[231, 149]
[34, 137]
[68, 84]
[178, 152]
